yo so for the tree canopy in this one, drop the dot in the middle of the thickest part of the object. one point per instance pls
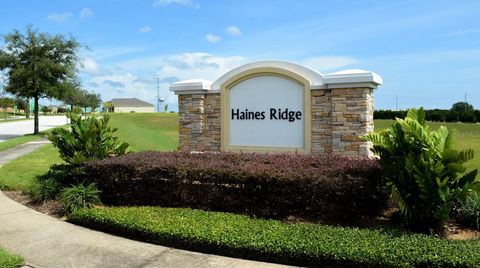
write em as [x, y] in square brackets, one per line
[462, 107]
[39, 65]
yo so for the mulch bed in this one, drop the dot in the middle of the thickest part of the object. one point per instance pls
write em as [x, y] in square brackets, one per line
[52, 207]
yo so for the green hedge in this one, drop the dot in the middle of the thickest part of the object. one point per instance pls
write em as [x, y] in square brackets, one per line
[270, 240]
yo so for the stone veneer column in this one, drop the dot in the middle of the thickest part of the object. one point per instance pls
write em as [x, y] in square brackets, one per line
[352, 117]
[199, 119]
[190, 111]
[321, 122]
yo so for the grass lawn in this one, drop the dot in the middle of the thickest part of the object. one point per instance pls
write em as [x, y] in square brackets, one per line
[10, 143]
[19, 140]
[9, 260]
[21, 173]
[467, 136]
[148, 131]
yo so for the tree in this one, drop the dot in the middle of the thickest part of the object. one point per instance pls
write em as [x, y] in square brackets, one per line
[108, 106]
[166, 107]
[38, 65]
[462, 107]
[72, 96]
[93, 100]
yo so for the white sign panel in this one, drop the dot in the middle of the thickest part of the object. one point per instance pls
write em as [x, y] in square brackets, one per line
[267, 111]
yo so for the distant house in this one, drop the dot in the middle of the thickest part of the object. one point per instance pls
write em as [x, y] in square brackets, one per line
[131, 105]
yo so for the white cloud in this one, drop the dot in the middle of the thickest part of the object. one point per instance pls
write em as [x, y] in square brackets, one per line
[60, 17]
[233, 31]
[85, 13]
[327, 63]
[212, 38]
[91, 67]
[139, 75]
[187, 3]
[145, 29]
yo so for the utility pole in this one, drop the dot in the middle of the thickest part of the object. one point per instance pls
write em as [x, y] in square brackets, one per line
[158, 94]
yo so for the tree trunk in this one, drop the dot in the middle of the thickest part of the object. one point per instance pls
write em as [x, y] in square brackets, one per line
[35, 110]
[27, 108]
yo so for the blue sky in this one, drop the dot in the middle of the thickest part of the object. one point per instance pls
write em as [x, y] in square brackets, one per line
[428, 52]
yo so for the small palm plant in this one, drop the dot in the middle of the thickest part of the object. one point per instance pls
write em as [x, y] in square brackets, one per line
[89, 138]
[424, 173]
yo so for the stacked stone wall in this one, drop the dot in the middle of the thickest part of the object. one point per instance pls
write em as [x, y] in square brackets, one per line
[339, 117]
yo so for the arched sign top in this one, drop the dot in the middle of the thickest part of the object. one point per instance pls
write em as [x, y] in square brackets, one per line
[313, 78]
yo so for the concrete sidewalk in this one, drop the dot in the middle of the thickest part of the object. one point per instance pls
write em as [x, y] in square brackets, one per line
[48, 242]
[20, 150]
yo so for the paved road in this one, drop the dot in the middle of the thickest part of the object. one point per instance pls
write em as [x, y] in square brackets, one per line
[14, 129]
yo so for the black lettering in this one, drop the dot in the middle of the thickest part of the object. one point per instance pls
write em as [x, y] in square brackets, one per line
[291, 116]
[235, 113]
[262, 115]
[273, 114]
[251, 115]
[284, 114]
[298, 115]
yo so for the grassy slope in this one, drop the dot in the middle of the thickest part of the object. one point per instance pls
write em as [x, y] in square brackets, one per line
[148, 131]
[467, 136]
[8, 259]
[21, 173]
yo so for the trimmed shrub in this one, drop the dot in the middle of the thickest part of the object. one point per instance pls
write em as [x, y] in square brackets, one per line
[298, 244]
[424, 172]
[271, 185]
[79, 196]
[468, 211]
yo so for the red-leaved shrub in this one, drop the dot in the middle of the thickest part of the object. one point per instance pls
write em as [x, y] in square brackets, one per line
[270, 185]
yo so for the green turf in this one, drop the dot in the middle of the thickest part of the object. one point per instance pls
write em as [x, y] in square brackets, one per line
[10, 143]
[21, 173]
[9, 260]
[467, 136]
[147, 131]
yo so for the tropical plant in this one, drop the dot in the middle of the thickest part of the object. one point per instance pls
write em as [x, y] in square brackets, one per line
[424, 173]
[89, 138]
[468, 211]
[79, 196]
[45, 189]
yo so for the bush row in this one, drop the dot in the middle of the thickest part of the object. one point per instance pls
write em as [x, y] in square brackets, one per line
[437, 115]
[274, 241]
[271, 185]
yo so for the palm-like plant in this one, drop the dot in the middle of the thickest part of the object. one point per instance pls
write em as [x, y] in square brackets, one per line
[425, 174]
[89, 138]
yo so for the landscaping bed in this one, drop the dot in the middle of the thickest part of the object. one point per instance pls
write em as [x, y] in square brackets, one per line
[274, 241]
[271, 185]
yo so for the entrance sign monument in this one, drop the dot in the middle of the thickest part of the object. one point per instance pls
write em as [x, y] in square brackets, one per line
[276, 106]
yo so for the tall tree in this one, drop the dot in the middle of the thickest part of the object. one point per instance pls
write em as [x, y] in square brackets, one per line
[38, 65]
[462, 107]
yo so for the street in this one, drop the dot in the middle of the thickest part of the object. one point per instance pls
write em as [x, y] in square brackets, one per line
[14, 129]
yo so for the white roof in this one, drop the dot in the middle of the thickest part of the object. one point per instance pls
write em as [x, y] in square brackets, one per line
[317, 80]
